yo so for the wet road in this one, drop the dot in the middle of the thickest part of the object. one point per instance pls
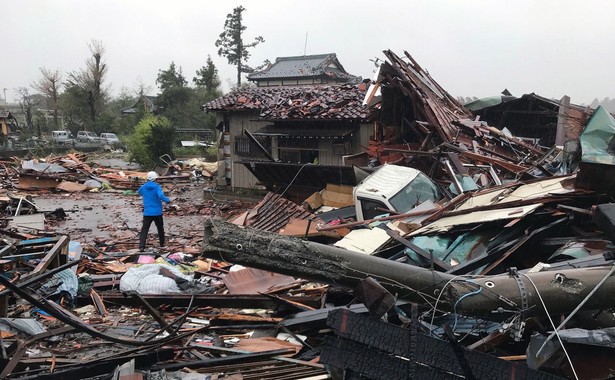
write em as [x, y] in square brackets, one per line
[113, 215]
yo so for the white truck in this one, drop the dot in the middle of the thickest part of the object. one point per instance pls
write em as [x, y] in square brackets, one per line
[395, 188]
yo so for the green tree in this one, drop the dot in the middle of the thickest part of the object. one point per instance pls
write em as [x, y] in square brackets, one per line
[170, 78]
[207, 79]
[73, 102]
[230, 43]
[180, 104]
[175, 93]
[40, 122]
[152, 138]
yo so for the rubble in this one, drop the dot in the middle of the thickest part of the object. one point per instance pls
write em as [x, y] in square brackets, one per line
[523, 236]
[506, 271]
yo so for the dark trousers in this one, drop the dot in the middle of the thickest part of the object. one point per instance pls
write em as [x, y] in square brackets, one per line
[147, 222]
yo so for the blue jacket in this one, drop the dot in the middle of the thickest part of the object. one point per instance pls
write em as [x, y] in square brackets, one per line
[152, 198]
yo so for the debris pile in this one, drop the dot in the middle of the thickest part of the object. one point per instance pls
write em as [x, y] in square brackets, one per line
[512, 256]
[462, 251]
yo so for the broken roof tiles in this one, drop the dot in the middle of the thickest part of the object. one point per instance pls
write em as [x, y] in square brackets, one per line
[339, 102]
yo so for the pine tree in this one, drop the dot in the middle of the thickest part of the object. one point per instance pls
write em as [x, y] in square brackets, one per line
[231, 46]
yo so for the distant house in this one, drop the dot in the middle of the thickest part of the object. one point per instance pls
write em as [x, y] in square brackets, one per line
[303, 70]
[145, 103]
[8, 123]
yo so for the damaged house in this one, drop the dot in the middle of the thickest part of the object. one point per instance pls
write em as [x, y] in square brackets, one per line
[305, 112]
[146, 103]
[508, 205]
[533, 117]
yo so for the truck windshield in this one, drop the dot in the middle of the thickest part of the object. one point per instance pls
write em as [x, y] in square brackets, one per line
[419, 190]
[371, 208]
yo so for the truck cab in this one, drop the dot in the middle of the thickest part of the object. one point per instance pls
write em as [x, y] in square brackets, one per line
[395, 188]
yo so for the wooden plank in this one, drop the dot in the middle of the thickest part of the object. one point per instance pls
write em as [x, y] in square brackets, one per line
[52, 259]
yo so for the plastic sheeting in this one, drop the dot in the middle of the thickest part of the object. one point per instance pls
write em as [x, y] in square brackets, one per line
[147, 279]
[597, 138]
[65, 280]
[42, 167]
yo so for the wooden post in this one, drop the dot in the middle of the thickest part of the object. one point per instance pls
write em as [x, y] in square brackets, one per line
[562, 119]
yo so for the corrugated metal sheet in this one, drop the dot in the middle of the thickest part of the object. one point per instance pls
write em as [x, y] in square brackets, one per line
[274, 212]
[255, 281]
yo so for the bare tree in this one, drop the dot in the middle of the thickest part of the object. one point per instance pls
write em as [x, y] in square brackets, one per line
[91, 79]
[141, 88]
[27, 102]
[49, 85]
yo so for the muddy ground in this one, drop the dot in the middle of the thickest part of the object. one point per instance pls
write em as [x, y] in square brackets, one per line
[113, 218]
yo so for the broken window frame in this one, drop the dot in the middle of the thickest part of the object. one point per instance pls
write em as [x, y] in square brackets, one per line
[299, 150]
[244, 147]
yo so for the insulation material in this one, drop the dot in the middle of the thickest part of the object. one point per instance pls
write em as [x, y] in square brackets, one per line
[364, 240]
[446, 223]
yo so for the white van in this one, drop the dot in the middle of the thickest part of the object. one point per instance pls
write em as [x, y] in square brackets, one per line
[392, 187]
[62, 137]
[109, 138]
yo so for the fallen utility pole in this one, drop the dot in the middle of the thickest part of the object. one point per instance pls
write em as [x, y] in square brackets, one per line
[491, 297]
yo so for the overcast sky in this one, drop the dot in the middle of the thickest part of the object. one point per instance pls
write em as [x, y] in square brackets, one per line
[471, 47]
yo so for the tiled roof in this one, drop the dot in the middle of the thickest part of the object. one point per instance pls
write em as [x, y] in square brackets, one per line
[342, 102]
[305, 66]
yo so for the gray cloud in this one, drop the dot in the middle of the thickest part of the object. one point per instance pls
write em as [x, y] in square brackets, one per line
[472, 47]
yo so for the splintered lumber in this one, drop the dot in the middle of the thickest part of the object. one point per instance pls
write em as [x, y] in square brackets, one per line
[492, 297]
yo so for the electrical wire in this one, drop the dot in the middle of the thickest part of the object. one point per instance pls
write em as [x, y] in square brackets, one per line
[552, 324]
[294, 178]
[459, 300]
[435, 307]
[579, 306]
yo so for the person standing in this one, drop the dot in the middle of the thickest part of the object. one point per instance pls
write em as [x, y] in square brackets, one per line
[153, 196]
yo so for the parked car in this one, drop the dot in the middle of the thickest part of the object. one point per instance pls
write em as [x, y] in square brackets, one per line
[89, 137]
[109, 138]
[62, 138]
